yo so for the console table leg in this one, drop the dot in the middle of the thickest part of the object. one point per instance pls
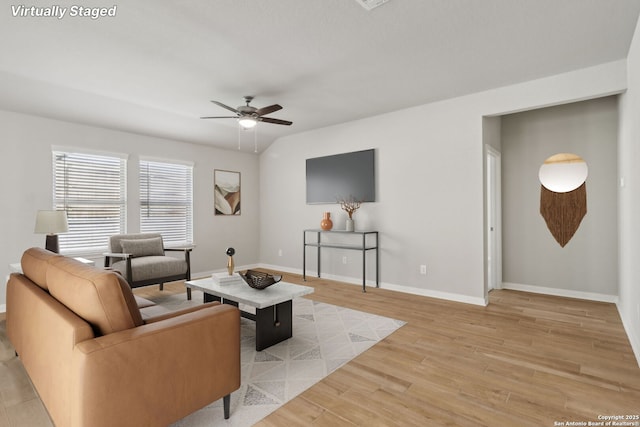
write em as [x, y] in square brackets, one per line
[364, 263]
[304, 256]
[377, 263]
[318, 253]
[364, 271]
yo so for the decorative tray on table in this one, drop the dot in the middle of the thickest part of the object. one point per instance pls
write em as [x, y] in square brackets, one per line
[258, 279]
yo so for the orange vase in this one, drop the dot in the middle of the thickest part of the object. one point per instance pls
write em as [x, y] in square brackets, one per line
[326, 223]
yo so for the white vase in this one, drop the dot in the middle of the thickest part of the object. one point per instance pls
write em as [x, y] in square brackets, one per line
[349, 226]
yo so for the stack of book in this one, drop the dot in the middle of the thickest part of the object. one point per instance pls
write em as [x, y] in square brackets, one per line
[225, 279]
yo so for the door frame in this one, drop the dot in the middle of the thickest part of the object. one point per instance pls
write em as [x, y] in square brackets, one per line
[493, 219]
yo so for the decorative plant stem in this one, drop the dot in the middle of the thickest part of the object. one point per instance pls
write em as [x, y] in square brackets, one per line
[350, 205]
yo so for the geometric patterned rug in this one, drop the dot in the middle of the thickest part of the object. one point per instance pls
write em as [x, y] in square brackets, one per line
[325, 337]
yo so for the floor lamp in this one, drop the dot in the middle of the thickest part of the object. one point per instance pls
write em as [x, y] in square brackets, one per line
[51, 223]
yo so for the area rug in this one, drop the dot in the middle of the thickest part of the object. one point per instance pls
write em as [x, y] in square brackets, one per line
[325, 337]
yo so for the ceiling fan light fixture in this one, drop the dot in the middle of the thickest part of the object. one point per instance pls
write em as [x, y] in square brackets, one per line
[247, 122]
[371, 4]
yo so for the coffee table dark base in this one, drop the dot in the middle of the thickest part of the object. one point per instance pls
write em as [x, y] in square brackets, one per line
[274, 324]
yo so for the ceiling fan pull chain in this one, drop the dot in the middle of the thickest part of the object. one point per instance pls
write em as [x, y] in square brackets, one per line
[255, 139]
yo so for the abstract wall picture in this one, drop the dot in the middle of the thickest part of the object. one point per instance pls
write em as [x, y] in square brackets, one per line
[563, 194]
[226, 192]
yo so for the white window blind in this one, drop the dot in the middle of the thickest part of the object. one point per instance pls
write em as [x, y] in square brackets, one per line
[166, 201]
[92, 189]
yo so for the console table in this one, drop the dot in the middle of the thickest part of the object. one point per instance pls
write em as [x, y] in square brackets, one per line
[360, 244]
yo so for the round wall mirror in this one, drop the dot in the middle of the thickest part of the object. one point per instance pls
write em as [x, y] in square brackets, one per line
[563, 172]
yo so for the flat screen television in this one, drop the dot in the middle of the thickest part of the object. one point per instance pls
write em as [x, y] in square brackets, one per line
[342, 176]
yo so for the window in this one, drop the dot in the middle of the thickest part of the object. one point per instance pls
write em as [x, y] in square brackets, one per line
[166, 201]
[92, 189]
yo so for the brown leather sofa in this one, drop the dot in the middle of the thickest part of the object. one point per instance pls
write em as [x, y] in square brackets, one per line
[95, 362]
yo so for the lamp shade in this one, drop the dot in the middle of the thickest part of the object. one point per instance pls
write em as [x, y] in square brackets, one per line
[51, 222]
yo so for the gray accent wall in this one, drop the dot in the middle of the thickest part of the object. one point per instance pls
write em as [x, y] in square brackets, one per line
[531, 256]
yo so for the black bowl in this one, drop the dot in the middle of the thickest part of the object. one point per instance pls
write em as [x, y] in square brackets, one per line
[259, 280]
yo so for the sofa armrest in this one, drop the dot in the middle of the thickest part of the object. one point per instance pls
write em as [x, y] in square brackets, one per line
[116, 255]
[109, 255]
[187, 258]
[158, 373]
[185, 249]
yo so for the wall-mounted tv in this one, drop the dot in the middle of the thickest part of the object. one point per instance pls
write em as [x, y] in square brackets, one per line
[342, 176]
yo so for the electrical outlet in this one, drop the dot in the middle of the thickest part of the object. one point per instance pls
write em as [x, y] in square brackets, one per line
[344, 259]
[279, 252]
[423, 269]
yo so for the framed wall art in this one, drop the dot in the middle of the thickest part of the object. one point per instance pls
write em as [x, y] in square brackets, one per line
[226, 192]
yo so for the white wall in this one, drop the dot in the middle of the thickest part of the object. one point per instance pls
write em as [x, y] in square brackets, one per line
[429, 180]
[491, 132]
[629, 196]
[25, 156]
[587, 267]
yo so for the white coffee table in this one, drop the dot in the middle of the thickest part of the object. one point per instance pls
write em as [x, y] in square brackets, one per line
[274, 314]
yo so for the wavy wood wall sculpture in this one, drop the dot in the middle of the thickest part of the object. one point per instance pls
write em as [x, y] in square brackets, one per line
[563, 194]
[563, 212]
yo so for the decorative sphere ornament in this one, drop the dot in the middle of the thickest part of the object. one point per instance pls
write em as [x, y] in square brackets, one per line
[230, 252]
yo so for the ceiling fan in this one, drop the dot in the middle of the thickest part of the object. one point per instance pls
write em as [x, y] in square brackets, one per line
[249, 116]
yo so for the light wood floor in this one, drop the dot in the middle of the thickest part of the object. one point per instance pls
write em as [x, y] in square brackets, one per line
[525, 360]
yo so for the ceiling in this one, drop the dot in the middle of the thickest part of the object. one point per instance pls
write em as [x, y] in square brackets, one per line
[153, 68]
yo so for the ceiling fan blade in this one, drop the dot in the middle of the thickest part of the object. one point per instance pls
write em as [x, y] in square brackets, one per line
[225, 106]
[220, 117]
[268, 110]
[274, 121]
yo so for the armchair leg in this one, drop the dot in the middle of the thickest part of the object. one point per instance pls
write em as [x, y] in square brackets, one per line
[189, 294]
[161, 286]
[226, 403]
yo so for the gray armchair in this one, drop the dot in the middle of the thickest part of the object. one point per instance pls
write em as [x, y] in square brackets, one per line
[141, 260]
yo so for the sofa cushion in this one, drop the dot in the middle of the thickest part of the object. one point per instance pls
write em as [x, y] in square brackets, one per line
[151, 267]
[35, 262]
[143, 247]
[114, 241]
[102, 298]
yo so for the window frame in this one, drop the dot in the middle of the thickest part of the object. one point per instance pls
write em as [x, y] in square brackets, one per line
[181, 234]
[85, 195]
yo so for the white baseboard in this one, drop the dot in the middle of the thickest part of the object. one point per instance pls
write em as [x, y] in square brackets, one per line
[390, 286]
[436, 294]
[285, 269]
[561, 292]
